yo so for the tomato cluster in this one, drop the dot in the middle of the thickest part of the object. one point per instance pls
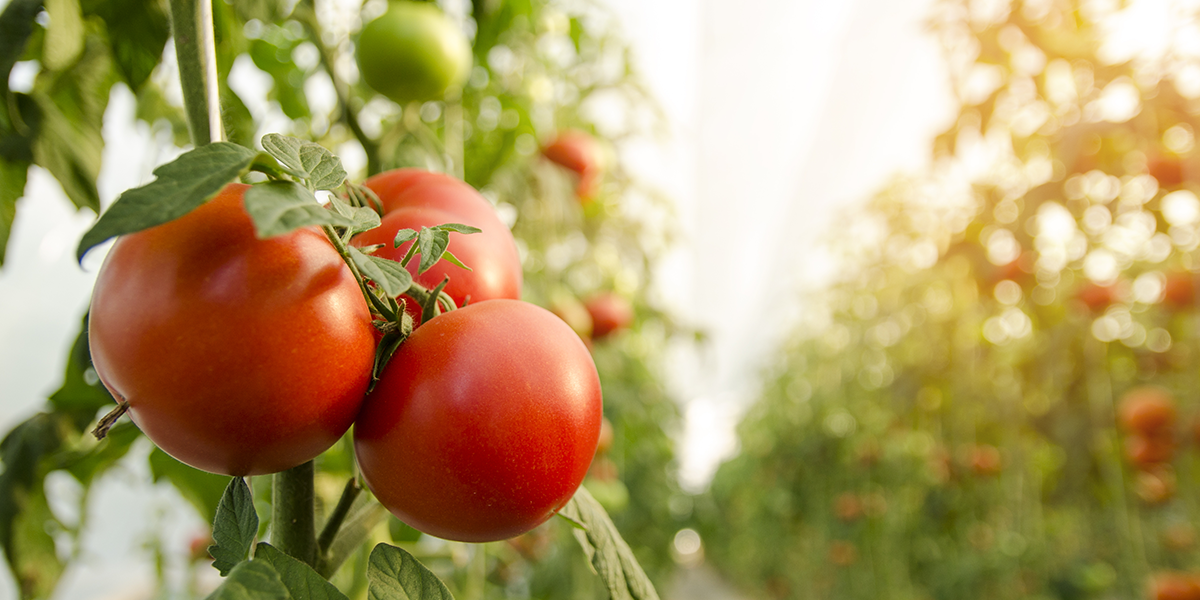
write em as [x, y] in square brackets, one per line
[246, 356]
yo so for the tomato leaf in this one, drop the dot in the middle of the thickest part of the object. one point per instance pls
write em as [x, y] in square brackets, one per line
[64, 36]
[24, 512]
[137, 32]
[361, 218]
[432, 243]
[322, 169]
[279, 207]
[396, 575]
[458, 228]
[404, 235]
[252, 580]
[234, 527]
[452, 259]
[16, 25]
[610, 556]
[300, 579]
[12, 187]
[389, 275]
[182, 185]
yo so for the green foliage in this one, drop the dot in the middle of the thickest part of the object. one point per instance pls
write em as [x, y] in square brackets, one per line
[234, 527]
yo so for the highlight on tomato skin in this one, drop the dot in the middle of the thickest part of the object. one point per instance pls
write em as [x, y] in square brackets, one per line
[483, 424]
[237, 355]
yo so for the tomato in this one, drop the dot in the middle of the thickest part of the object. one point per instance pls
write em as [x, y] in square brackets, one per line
[1174, 586]
[604, 444]
[847, 507]
[1097, 297]
[491, 255]
[1146, 452]
[236, 355]
[418, 188]
[1179, 291]
[1147, 410]
[579, 153]
[610, 313]
[413, 52]
[483, 424]
[985, 460]
[1168, 170]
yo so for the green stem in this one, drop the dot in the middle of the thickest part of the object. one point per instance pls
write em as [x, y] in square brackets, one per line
[196, 52]
[306, 13]
[293, 530]
[334, 523]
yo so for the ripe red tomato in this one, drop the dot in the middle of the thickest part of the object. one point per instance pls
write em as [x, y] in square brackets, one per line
[1168, 170]
[579, 153]
[413, 52]
[1097, 297]
[1147, 410]
[985, 460]
[1179, 291]
[491, 255]
[418, 188]
[237, 355]
[1174, 586]
[483, 424]
[610, 313]
[1146, 452]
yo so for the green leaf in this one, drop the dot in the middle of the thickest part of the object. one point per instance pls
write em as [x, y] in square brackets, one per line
[311, 161]
[81, 391]
[181, 186]
[432, 244]
[404, 235]
[458, 228]
[65, 36]
[279, 207]
[389, 275]
[203, 490]
[362, 218]
[252, 580]
[452, 259]
[300, 579]
[27, 546]
[273, 54]
[137, 33]
[12, 187]
[610, 556]
[16, 25]
[396, 575]
[234, 527]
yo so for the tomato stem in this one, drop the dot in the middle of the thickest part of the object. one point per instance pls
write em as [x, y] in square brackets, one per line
[196, 52]
[107, 421]
[306, 13]
[293, 530]
[349, 494]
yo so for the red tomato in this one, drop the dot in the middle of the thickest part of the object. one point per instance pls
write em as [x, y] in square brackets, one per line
[1147, 452]
[1168, 170]
[417, 188]
[1147, 410]
[985, 460]
[491, 255]
[237, 355]
[1174, 586]
[610, 313]
[483, 424]
[1179, 292]
[604, 444]
[1097, 297]
[579, 153]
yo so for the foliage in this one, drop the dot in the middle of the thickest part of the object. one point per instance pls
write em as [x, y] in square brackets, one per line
[539, 65]
[944, 425]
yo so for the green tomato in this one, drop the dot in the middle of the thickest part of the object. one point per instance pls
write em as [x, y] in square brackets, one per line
[413, 52]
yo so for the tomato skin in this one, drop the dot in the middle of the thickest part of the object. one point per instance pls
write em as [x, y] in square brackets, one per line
[237, 355]
[413, 52]
[483, 424]
[418, 188]
[579, 153]
[610, 314]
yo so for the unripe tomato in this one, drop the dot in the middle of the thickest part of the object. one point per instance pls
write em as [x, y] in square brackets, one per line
[413, 52]
[610, 313]
[579, 153]
[237, 355]
[1147, 410]
[483, 424]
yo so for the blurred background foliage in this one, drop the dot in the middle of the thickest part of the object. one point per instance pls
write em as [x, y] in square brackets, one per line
[965, 414]
[541, 67]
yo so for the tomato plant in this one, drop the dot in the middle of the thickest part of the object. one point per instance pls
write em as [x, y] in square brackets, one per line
[484, 423]
[236, 355]
[413, 52]
[413, 199]
[610, 314]
[579, 153]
